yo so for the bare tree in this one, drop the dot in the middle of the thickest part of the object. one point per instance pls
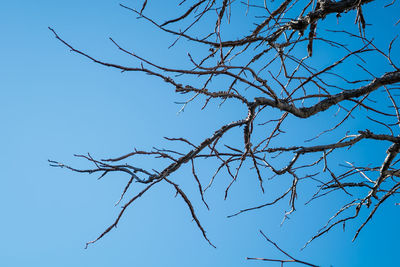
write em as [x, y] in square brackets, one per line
[278, 73]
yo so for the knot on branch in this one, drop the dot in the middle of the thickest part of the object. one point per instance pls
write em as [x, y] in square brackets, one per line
[168, 80]
[367, 133]
[323, 4]
[298, 25]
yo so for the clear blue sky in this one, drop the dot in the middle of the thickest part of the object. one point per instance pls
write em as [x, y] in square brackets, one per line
[54, 104]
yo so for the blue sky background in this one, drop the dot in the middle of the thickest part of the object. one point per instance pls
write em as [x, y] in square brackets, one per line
[54, 104]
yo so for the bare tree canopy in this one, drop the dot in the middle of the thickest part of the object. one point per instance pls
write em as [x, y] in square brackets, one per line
[302, 72]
